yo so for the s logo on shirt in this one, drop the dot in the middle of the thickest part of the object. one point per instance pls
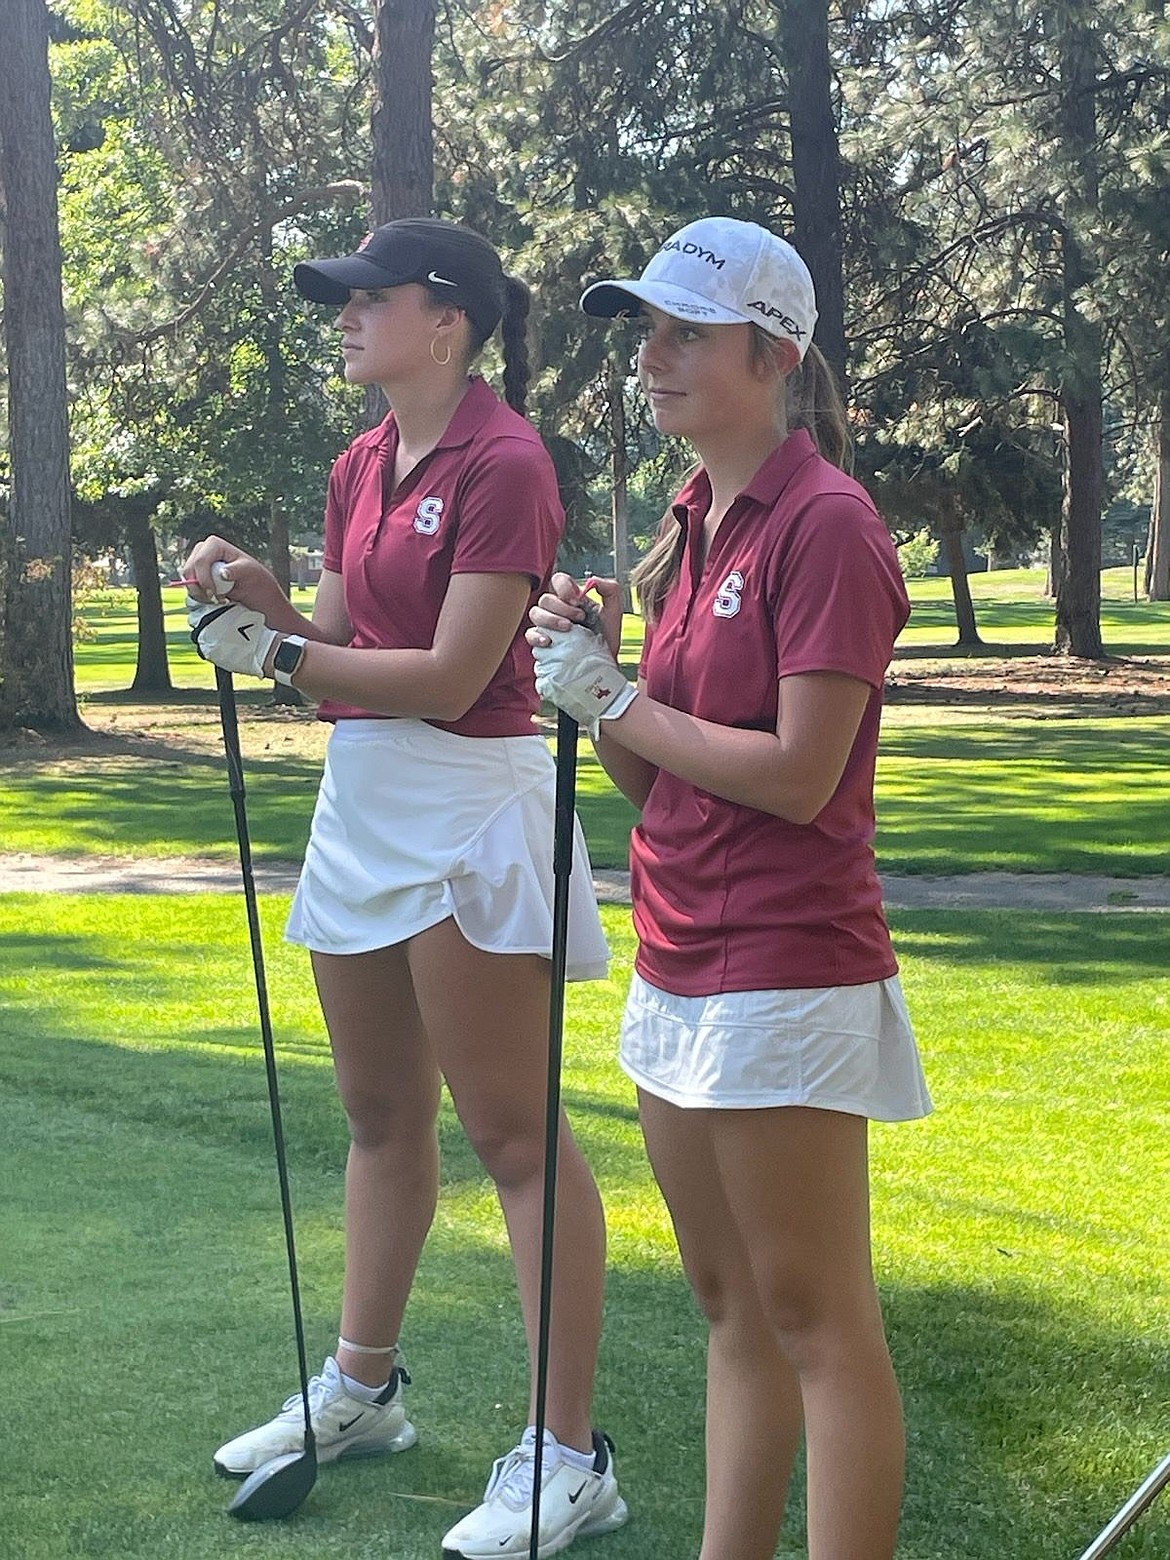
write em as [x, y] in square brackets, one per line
[727, 602]
[428, 515]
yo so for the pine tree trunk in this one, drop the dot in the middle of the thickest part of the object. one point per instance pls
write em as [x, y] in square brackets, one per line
[1158, 547]
[404, 158]
[816, 168]
[36, 635]
[281, 560]
[952, 537]
[275, 380]
[619, 473]
[1078, 592]
[152, 674]
[403, 183]
[1055, 563]
[1078, 598]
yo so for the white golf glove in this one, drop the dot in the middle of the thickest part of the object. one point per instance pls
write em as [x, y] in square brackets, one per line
[578, 674]
[234, 637]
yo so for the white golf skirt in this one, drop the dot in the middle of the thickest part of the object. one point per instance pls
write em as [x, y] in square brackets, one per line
[846, 1048]
[414, 825]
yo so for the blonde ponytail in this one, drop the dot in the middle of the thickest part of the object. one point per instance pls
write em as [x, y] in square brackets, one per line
[814, 402]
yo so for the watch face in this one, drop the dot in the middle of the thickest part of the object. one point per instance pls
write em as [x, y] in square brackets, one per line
[288, 656]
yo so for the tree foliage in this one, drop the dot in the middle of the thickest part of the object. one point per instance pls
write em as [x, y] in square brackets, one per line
[982, 191]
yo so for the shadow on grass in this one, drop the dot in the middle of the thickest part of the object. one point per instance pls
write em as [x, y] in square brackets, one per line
[1029, 1420]
[1065, 752]
[176, 803]
[1073, 949]
[1071, 802]
[1010, 1402]
[1026, 1422]
[209, 1085]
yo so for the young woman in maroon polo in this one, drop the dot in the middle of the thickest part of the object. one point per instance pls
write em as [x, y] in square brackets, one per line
[800, 578]
[765, 1024]
[427, 887]
[486, 501]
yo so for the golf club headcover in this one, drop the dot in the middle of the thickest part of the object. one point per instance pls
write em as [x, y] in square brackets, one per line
[578, 674]
[233, 637]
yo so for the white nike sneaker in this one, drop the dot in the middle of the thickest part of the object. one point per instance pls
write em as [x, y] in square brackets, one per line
[574, 1502]
[344, 1426]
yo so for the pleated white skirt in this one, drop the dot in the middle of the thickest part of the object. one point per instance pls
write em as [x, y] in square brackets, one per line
[846, 1048]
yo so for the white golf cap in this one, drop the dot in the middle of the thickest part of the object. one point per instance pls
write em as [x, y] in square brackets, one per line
[719, 271]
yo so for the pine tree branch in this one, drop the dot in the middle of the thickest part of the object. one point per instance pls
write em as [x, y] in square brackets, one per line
[348, 189]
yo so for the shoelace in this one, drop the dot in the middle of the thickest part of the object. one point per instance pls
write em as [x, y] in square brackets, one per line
[513, 1476]
[322, 1388]
[318, 1393]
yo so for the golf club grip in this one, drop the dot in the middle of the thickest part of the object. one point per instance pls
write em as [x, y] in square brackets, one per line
[235, 765]
[563, 830]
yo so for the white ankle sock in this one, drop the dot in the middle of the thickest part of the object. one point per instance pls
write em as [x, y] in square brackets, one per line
[577, 1459]
[570, 1454]
[359, 1389]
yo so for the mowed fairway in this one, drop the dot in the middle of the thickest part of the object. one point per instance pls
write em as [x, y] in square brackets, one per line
[1020, 1238]
[966, 782]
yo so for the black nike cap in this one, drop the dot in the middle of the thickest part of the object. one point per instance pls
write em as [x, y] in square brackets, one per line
[451, 260]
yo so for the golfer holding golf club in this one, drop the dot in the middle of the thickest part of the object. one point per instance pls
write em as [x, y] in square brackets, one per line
[427, 886]
[765, 1024]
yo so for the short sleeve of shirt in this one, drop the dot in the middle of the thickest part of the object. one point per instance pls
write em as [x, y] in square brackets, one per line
[509, 516]
[840, 598]
[335, 509]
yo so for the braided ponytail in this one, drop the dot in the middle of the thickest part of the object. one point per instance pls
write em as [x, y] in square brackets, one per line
[514, 334]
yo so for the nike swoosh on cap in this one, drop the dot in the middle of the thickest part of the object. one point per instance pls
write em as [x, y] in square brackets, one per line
[443, 281]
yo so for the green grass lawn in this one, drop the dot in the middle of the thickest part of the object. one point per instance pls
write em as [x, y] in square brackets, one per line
[1016, 618]
[1020, 1232]
[1005, 792]
[996, 791]
[1013, 613]
[960, 789]
[104, 656]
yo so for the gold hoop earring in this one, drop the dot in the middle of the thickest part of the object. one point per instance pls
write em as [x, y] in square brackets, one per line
[436, 359]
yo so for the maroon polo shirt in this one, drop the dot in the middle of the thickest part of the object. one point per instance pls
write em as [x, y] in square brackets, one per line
[484, 501]
[802, 576]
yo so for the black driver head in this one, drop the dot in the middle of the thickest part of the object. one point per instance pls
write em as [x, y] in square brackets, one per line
[277, 1488]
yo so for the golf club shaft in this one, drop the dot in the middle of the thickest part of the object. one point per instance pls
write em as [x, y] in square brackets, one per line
[563, 819]
[1119, 1525]
[231, 743]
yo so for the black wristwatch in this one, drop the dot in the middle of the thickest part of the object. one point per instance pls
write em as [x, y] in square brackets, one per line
[289, 654]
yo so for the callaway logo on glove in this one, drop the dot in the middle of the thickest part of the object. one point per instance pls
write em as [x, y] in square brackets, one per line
[233, 637]
[578, 674]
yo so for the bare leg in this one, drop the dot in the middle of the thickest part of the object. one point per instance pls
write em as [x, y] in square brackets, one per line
[389, 1084]
[487, 1016]
[798, 1183]
[753, 1400]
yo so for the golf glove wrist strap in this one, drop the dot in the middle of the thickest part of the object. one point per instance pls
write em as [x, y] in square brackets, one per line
[578, 674]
